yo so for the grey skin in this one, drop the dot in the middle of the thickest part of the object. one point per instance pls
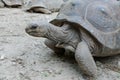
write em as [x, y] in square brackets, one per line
[68, 38]
[84, 28]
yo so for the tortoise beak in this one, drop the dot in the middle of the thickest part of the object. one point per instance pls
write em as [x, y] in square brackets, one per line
[31, 27]
[31, 32]
[27, 30]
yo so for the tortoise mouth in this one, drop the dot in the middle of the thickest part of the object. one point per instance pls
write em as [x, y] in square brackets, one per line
[33, 34]
[30, 32]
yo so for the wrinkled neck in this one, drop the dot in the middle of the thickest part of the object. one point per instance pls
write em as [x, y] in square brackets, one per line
[56, 33]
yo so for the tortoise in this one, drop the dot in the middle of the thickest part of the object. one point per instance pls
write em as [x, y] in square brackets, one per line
[13, 3]
[87, 29]
[42, 6]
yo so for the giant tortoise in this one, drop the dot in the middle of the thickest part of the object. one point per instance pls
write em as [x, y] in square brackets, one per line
[43, 6]
[86, 27]
[13, 3]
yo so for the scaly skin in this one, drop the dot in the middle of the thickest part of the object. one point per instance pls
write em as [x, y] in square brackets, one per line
[65, 36]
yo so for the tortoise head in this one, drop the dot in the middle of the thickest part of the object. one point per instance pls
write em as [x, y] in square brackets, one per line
[37, 29]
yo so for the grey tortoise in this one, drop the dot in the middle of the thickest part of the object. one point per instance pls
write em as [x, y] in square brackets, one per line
[12, 3]
[84, 28]
[43, 6]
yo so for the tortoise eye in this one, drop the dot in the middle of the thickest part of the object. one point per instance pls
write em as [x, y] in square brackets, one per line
[33, 26]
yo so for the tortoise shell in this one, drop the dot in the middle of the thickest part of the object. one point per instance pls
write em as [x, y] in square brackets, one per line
[100, 18]
[1, 4]
[51, 5]
[29, 4]
[12, 3]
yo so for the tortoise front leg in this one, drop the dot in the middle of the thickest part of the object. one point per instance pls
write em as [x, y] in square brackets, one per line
[85, 60]
[52, 45]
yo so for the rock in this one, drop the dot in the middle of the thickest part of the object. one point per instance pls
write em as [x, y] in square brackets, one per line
[2, 57]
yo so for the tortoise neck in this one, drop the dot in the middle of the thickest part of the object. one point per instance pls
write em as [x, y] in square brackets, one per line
[56, 33]
[65, 34]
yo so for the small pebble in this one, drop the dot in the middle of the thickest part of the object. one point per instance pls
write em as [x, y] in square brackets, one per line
[2, 57]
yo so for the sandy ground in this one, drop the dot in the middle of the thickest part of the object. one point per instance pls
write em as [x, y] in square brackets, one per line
[23, 57]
